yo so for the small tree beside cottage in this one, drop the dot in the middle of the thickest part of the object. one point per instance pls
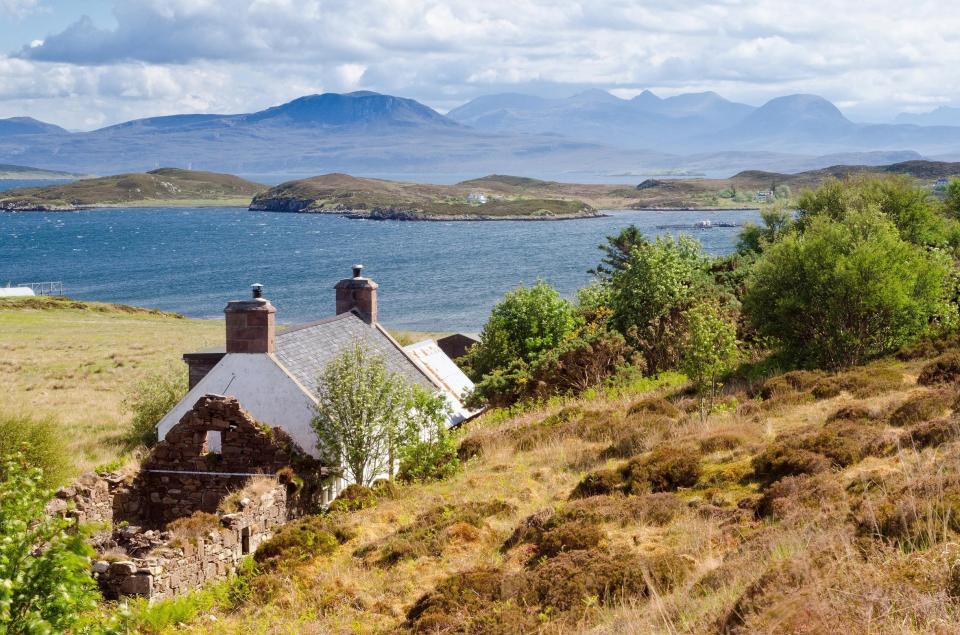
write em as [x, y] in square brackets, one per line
[368, 418]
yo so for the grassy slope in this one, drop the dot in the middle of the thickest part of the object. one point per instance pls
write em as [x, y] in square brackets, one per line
[815, 565]
[166, 186]
[8, 171]
[341, 192]
[77, 360]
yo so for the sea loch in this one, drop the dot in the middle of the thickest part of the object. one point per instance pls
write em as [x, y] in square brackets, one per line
[433, 275]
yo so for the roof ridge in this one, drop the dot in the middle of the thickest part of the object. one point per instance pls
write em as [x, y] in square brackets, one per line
[326, 320]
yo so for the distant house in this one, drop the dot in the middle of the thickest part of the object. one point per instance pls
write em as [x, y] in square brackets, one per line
[274, 375]
[941, 184]
[16, 292]
[478, 198]
[764, 196]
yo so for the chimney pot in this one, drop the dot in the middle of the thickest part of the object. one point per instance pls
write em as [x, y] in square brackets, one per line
[357, 270]
[257, 290]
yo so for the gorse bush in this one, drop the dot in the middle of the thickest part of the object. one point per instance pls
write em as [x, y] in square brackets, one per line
[152, 398]
[846, 290]
[41, 443]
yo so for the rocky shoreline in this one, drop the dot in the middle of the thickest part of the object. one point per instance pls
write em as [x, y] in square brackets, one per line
[306, 206]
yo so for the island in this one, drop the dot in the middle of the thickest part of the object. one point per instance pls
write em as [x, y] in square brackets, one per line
[379, 199]
[165, 187]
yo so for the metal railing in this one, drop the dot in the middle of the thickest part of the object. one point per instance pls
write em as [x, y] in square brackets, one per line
[44, 288]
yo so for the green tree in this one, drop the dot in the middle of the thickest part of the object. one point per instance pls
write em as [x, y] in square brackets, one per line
[907, 206]
[951, 201]
[617, 251]
[755, 238]
[527, 322]
[365, 414]
[45, 581]
[848, 289]
[428, 450]
[649, 295]
[709, 350]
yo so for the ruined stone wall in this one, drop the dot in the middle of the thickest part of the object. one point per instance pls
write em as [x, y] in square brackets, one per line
[88, 500]
[186, 473]
[167, 565]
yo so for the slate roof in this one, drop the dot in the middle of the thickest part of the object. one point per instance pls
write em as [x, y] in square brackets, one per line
[306, 350]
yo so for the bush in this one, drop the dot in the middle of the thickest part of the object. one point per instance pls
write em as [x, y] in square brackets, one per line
[562, 582]
[650, 293]
[41, 442]
[655, 406]
[45, 581]
[524, 325]
[801, 496]
[353, 498]
[597, 483]
[568, 536]
[933, 433]
[579, 363]
[920, 407]
[664, 469]
[859, 383]
[298, 541]
[783, 458]
[861, 289]
[852, 412]
[430, 459]
[469, 448]
[943, 370]
[150, 399]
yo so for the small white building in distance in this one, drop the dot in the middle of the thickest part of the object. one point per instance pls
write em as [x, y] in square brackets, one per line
[15, 292]
[764, 196]
[478, 198]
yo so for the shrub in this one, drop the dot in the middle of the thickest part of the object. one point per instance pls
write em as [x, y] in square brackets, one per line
[709, 350]
[720, 442]
[654, 406]
[579, 363]
[469, 448]
[152, 398]
[193, 527]
[297, 541]
[353, 498]
[944, 369]
[933, 433]
[45, 581]
[430, 459]
[915, 516]
[859, 383]
[596, 483]
[565, 581]
[41, 443]
[861, 289]
[851, 412]
[920, 407]
[657, 282]
[525, 324]
[843, 442]
[568, 536]
[664, 469]
[630, 443]
[783, 458]
[803, 495]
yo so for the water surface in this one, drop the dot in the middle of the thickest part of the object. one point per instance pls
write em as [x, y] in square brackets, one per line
[432, 275]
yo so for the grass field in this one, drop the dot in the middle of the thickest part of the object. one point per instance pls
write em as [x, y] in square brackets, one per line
[77, 361]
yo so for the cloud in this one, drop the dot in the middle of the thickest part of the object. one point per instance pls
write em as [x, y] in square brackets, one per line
[163, 56]
[18, 8]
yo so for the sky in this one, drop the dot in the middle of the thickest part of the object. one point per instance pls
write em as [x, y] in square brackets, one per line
[84, 64]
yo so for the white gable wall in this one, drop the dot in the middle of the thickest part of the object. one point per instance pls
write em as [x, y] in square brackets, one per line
[264, 389]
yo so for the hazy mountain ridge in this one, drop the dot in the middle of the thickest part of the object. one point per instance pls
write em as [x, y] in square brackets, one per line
[593, 132]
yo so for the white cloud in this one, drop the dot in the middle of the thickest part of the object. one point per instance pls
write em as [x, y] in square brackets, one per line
[875, 56]
[18, 8]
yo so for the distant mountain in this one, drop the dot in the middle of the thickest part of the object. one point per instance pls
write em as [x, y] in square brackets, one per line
[588, 136]
[597, 116]
[27, 125]
[942, 116]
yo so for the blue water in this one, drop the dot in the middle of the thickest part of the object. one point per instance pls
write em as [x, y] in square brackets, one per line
[432, 275]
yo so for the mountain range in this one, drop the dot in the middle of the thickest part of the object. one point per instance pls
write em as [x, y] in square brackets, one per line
[591, 133]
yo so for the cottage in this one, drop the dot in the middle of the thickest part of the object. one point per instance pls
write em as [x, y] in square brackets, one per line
[764, 196]
[477, 198]
[273, 375]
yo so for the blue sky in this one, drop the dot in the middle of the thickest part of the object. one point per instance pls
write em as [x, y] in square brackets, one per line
[88, 63]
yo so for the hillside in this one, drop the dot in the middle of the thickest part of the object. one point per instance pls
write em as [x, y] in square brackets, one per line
[166, 186]
[82, 385]
[809, 503]
[374, 198]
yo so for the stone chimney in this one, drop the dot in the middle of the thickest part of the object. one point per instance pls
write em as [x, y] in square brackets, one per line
[358, 293]
[250, 324]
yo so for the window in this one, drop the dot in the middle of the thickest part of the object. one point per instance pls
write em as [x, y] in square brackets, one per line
[214, 442]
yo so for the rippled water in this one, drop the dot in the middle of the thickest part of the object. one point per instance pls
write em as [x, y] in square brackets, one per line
[432, 275]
